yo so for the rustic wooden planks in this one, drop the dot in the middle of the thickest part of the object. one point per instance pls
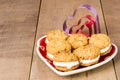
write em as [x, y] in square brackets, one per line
[112, 18]
[18, 20]
[52, 15]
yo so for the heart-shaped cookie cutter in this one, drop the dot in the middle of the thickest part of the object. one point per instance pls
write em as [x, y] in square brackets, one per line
[92, 22]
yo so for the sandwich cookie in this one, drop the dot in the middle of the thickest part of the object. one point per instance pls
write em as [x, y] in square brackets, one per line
[57, 46]
[65, 62]
[101, 41]
[88, 55]
[77, 40]
[56, 35]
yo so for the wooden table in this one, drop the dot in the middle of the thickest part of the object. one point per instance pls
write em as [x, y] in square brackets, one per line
[22, 22]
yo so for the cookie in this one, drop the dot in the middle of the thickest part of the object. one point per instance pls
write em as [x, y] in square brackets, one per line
[56, 46]
[56, 35]
[77, 40]
[65, 62]
[101, 41]
[88, 55]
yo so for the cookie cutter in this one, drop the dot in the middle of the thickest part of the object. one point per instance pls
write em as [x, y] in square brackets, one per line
[92, 22]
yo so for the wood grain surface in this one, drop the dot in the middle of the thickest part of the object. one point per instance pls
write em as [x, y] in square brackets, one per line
[112, 19]
[52, 16]
[23, 22]
[18, 20]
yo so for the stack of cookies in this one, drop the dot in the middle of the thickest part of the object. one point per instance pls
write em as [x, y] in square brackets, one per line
[68, 52]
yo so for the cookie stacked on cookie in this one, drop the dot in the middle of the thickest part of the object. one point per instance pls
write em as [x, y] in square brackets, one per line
[59, 51]
[68, 52]
[55, 47]
[77, 40]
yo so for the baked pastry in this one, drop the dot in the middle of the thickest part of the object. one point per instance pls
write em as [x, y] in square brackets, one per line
[56, 46]
[88, 55]
[77, 40]
[65, 61]
[101, 41]
[56, 35]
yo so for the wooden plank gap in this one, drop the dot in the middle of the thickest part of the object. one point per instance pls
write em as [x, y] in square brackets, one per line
[35, 38]
[104, 17]
[115, 69]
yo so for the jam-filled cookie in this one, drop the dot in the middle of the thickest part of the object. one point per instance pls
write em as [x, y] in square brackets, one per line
[101, 41]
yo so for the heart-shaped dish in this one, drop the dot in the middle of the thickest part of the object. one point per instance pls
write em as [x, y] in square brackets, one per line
[41, 51]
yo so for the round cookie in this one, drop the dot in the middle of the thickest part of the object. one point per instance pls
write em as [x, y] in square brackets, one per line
[88, 55]
[56, 35]
[77, 40]
[101, 41]
[65, 62]
[56, 46]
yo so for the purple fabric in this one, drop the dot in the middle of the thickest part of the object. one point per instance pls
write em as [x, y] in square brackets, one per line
[89, 7]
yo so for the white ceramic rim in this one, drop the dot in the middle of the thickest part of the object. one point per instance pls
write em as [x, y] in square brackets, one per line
[77, 70]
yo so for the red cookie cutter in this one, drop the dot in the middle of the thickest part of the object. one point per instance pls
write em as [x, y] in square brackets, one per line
[90, 23]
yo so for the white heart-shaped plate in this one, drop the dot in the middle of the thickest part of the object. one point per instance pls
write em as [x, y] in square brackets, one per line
[41, 51]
